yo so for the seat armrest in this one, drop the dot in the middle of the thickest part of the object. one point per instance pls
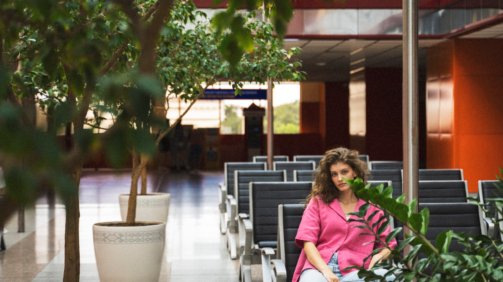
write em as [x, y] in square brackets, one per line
[278, 270]
[490, 228]
[242, 231]
[222, 198]
[232, 210]
[267, 273]
[248, 240]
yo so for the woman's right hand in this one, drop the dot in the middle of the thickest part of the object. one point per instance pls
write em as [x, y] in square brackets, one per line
[330, 276]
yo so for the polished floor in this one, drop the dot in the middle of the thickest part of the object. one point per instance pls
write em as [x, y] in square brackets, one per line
[195, 249]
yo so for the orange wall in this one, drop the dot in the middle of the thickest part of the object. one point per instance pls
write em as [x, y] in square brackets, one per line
[465, 108]
[439, 107]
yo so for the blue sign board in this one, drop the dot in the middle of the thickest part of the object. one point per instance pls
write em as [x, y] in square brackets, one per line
[249, 94]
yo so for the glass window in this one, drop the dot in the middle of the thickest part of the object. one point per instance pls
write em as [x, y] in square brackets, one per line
[228, 114]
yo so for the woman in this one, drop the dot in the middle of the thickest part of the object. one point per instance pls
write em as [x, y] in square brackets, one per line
[329, 241]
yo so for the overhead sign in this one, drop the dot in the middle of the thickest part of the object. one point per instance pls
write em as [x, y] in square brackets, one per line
[249, 94]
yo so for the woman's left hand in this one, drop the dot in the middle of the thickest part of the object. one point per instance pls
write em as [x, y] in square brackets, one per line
[375, 259]
[383, 254]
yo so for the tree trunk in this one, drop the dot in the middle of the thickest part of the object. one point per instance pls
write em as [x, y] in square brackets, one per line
[144, 160]
[72, 251]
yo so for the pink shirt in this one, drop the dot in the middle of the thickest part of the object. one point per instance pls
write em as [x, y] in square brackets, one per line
[326, 226]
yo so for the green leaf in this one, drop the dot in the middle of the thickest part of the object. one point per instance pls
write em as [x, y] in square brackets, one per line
[63, 114]
[20, 185]
[150, 85]
[65, 186]
[425, 214]
[412, 253]
[443, 241]
[229, 47]
[144, 142]
[416, 222]
[393, 234]
[116, 147]
[84, 139]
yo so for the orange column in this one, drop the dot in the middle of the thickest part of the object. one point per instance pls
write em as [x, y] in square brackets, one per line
[465, 108]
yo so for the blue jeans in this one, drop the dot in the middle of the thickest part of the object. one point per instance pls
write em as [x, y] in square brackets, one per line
[313, 275]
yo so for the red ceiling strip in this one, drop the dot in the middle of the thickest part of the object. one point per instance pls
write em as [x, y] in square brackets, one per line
[476, 26]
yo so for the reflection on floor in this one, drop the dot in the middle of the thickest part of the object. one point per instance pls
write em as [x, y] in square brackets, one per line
[195, 250]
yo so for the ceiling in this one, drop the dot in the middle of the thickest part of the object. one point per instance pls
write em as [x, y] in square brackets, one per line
[332, 60]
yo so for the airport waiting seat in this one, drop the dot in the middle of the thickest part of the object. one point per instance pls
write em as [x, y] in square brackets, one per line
[373, 165]
[459, 217]
[442, 191]
[263, 159]
[308, 158]
[239, 205]
[365, 158]
[304, 175]
[289, 217]
[227, 188]
[260, 230]
[316, 158]
[393, 175]
[290, 167]
[440, 174]
[488, 190]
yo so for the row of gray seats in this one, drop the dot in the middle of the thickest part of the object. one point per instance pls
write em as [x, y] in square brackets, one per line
[435, 185]
[258, 230]
[460, 217]
[245, 242]
[227, 189]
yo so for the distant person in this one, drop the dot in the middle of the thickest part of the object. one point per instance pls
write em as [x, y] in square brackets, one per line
[329, 242]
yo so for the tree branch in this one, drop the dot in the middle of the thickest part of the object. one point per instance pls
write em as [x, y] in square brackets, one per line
[134, 17]
[166, 131]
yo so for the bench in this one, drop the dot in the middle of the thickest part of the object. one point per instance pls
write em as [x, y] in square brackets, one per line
[459, 217]
[385, 165]
[393, 175]
[238, 206]
[260, 230]
[289, 217]
[488, 189]
[227, 188]
[440, 174]
[304, 175]
[290, 167]
[442, 191]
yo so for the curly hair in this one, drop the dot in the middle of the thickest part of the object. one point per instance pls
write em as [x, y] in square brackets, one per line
[323, 186]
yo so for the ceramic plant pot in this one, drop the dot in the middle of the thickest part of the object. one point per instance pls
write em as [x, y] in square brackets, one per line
[129, 253]
[150, 207]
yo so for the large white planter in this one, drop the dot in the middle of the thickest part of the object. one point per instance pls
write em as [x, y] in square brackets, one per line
[129, 253]
[150, 207]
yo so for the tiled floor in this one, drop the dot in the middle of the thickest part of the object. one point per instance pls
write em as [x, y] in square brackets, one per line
[195, 250]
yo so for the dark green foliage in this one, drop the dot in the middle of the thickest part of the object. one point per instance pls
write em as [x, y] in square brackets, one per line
[480, 260]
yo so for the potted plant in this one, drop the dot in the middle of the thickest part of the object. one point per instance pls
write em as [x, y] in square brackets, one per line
[62, 56]
[479, 259]
[187, 63]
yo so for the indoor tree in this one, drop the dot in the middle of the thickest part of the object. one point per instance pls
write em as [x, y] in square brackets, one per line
[71, 58]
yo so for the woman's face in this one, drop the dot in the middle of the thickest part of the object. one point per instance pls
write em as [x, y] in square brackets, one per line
[340, 172]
